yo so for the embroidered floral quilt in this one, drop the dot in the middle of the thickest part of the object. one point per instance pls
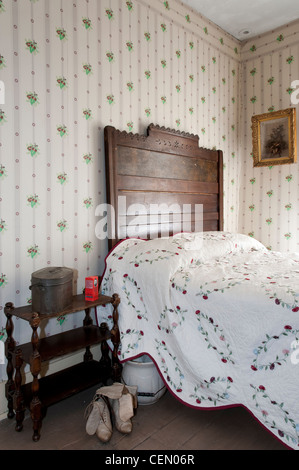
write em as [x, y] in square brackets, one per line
[219, 315]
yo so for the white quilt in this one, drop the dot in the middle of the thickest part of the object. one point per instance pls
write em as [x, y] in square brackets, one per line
[219, 315]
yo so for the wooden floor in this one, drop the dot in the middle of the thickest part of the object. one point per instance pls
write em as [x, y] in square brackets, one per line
[165, 425]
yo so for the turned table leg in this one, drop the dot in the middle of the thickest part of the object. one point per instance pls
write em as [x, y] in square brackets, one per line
[105, 361]
[9, 349]
[18, 396]
[35, 367]
[115, 338]
[86, 323]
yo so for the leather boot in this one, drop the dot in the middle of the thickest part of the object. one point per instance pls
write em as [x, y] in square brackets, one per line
[124, 427]
[99, 420]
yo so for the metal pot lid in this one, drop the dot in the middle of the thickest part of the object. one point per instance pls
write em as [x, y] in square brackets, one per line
[53, 273]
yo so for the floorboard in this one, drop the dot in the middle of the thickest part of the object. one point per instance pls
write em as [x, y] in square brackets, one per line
[165, 425]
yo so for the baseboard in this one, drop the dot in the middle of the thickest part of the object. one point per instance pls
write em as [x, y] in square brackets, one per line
[48, 368]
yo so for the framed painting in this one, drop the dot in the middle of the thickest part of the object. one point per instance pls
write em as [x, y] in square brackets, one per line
[274, 138]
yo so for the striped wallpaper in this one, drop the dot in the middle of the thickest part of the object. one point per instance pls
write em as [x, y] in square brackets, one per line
[269, 196]
[71, 67]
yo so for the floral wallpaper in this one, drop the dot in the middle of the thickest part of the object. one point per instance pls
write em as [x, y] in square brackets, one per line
[69, 69]
[269, 196]
[72, 67]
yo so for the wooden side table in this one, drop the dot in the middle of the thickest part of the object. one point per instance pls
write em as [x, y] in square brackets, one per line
[42, 392]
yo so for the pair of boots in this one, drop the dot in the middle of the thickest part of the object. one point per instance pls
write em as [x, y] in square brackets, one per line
[121, 399]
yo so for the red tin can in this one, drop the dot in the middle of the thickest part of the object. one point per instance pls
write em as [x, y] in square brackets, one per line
[92, 288]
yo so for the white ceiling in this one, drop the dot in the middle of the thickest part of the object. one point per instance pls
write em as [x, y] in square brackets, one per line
[255, 16]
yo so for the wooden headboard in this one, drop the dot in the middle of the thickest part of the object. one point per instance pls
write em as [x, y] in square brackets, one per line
[166, 168]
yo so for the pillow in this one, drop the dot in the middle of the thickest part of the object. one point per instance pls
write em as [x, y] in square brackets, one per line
[216, 244]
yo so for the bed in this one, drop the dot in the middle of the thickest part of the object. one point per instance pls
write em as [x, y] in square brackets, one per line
[216, 311]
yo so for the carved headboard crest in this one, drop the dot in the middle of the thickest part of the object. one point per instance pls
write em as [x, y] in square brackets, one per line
[164, 167]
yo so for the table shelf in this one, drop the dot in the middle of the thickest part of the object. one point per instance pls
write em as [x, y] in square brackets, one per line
[78, 304]
[65, 383]
[67, 342]
[44, 391]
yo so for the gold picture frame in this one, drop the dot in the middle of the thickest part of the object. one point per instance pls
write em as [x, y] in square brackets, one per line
[274, 138]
